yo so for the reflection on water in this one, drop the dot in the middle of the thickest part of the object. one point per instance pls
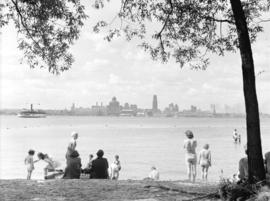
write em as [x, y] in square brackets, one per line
[140, 143]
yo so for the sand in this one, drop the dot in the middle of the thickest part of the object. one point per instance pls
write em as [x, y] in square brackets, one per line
[122, 190]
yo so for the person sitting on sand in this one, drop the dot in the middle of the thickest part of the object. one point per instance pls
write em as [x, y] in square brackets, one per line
[205, 160]
[191, 158]
[73, 169]
[115, 168]
[154, 174]
[51, 164]
[267, 165]
[243, 167]
[72, 144]
[88, 167]
[100, 167]
[29, 162]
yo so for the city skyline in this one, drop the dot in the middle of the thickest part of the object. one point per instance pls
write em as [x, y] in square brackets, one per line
[73, 106]
[120, 68]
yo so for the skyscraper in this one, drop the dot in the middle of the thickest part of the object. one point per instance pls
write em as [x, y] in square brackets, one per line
[155, 104]
[114, 107]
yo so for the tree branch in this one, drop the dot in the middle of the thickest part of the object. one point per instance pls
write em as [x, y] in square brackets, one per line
[264, 20]
[218, 20]
[23, 24]
[159, 35]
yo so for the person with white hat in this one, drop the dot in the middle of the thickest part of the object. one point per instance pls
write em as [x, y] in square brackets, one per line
[72, 144]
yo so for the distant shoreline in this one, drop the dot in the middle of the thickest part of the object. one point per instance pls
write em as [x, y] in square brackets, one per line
[217, 116]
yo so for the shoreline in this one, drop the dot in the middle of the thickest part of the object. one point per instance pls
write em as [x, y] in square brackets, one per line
[93, 189]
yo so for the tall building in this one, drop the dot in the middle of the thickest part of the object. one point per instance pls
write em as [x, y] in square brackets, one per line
[72, 107]
[114, 107]
[155, 104]
[213, 108]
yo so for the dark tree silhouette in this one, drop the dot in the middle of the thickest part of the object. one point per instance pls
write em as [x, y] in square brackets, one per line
[188, 30]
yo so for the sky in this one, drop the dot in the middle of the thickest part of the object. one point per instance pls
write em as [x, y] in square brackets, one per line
[120, 68]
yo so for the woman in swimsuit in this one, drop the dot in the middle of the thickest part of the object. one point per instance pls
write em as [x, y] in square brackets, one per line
[190, 145]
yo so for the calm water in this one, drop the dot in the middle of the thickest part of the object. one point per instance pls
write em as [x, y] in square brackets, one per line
[140, 143]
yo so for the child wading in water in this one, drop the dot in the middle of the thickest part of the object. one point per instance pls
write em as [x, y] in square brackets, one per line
[205, 160]
[29, 162]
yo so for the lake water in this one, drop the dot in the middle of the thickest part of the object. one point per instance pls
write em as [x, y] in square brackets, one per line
[140, 142]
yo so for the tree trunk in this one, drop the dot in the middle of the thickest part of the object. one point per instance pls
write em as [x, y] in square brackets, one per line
[255, 160]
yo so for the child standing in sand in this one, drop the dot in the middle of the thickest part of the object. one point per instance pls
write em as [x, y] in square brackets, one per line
[205, 160]
[115, 168]
[29, 162]
[154, 174]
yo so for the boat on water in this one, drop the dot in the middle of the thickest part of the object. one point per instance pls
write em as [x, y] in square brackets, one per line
[31, 113]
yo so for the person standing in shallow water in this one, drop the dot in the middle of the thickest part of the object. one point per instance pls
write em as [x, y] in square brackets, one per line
[190, 145]
[72, 144]
[205, 160]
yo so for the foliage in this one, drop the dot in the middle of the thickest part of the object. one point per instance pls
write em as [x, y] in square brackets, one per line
[242, 190]
[46, 29]
[188, 29]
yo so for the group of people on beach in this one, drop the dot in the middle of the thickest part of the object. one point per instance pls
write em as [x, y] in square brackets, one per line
[29, 162]
[204, 159]
[97, 168]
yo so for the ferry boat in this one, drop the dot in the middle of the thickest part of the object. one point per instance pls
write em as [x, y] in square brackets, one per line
[32, 113]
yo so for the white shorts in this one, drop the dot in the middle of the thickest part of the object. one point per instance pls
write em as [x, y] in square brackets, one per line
[191, 159]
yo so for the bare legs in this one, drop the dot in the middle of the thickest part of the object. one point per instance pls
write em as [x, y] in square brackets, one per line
[204, 172]
[29, 173]
[191, 171]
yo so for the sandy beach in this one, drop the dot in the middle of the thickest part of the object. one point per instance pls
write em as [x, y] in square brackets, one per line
[85, 189]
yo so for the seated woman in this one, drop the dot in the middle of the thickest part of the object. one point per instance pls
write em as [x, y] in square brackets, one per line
[243, 168]
[100, 167]
[73, 169]
[51, 164]
[88, 167]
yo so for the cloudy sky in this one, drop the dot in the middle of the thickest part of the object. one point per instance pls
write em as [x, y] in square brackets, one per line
[120, 68]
